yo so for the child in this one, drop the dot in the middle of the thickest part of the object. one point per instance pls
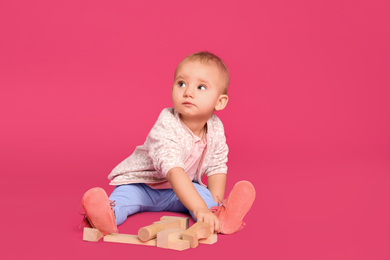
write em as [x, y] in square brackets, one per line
[186, 142]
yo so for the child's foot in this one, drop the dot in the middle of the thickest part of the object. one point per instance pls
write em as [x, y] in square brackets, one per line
[99, 212]
[232, 210]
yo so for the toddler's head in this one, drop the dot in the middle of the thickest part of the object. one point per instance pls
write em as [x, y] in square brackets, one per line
[200, 85]
[208, 58]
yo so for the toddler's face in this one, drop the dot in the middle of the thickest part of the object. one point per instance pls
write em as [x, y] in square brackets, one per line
[197, 89]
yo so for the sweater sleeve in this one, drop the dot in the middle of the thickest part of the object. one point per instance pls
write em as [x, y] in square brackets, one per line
[164, 149]
[219, 157]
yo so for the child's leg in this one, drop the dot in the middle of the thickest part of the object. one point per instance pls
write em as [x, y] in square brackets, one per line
[132, 198]
[129, 199]
[206, 195]
[175, 204]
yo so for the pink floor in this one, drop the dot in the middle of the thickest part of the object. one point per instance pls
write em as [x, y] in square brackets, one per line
[320, 210]
[82, 82]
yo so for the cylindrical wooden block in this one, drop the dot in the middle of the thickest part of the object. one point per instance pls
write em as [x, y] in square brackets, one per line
[149, 232]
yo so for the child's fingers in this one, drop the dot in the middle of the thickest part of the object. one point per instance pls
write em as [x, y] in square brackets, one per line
[208, 217]
[214, 224]
[209, 221]
[217, 226]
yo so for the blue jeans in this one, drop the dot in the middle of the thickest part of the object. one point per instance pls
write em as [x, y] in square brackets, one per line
[133, 198]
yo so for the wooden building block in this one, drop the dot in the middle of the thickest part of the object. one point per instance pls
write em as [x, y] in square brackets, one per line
[183, 221]
[179, 244]
[171, 239]
[150, 232]
[92, 234]
[128, 239]
[212, 239]
[163, 237]
[197, 231]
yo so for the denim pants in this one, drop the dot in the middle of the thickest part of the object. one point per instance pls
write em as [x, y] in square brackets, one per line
[133, 198]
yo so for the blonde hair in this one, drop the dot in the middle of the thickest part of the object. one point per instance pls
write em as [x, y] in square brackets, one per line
[208, 57]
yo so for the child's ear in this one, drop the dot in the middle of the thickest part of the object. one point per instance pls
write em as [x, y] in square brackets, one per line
[222, 102]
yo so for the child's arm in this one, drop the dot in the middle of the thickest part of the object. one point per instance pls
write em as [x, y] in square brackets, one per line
[216, 183]
[188, 195]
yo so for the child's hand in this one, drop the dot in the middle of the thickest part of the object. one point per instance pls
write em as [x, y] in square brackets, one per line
[189, 196]
[205, 215]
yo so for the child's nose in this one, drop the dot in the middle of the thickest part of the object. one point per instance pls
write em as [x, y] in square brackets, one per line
[189, 92]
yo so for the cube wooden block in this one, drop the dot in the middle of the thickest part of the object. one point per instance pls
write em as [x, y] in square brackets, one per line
[183, 221]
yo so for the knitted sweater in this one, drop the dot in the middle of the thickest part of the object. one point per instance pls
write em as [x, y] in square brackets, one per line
[168, 145]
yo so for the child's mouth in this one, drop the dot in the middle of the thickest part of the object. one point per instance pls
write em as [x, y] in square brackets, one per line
[188, 104]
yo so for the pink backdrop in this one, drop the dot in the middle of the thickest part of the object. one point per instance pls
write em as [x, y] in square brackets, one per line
[82, 83]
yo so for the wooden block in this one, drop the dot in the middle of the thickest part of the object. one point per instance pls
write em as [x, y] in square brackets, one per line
[179, 244]
[171, 239]
[128, 239]
[163, 237]
[92, 234]
[212, 239]
[197, 231]
[183, 220]
[150, 232]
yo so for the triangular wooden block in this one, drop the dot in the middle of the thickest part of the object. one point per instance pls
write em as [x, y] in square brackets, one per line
[92, 234]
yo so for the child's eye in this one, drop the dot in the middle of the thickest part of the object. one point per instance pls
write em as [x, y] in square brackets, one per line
[202, 87]
[182, 84]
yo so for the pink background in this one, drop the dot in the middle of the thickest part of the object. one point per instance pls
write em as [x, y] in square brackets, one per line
[82, 83]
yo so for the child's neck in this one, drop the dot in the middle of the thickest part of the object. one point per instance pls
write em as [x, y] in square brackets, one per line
[196, 126]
